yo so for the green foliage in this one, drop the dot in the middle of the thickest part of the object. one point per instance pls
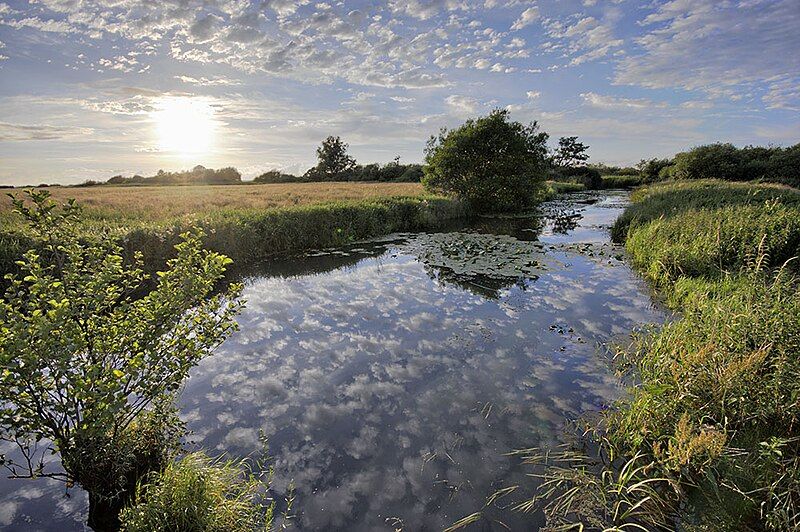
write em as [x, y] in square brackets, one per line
[569, 153]
[610, 170]
[391, 172]
[705, 227]
[250, 235]
[620, 181]
[718, 386]
[716, 408]
[650, 169]
[563, 187]
[200, 494]
[276, 176]
[490, 162]
[199, 175]
[87, 346]
[727, 162]
[333, 159]
[583, 175]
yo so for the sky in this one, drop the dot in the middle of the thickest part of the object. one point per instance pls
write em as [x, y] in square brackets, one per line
[94, 88]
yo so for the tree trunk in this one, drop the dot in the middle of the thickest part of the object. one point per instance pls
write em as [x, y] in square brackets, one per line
[104, 513]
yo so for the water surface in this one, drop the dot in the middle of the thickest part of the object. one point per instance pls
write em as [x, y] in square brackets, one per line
[392, 377]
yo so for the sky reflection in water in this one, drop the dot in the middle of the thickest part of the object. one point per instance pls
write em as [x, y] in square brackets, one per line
[390, 389]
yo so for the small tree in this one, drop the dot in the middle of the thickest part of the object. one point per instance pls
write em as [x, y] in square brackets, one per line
[333, 158]
[86, 349]
[569, 153]
[491, 162]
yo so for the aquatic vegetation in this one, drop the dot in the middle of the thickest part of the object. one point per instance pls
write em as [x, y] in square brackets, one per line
[201, 493]
[475, 254]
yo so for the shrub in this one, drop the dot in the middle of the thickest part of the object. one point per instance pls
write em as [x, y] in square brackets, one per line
[200, 494]
[276, 176]
[86, 348]
[491, 162]
[621, 181]
[650, 169]
[725, 161]
[590, 178]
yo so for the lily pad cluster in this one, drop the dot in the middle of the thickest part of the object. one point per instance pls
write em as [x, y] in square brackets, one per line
[475, 255]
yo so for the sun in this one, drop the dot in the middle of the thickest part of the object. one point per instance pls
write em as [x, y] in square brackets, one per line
[185, 126]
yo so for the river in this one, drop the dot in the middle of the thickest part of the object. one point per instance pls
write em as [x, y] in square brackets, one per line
[392, 377]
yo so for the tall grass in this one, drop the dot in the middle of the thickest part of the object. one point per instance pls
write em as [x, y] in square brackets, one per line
[712, 427]
[709, 227]
[250, 235]
[203, 494]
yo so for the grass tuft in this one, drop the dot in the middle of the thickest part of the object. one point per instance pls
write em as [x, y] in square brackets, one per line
[200, 493]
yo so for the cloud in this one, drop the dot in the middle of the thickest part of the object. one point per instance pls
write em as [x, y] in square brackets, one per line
[528, 17]
[462, 105]
[722, 48]
[587, 39]
[613, 102]
[23, 132]
[209, 82]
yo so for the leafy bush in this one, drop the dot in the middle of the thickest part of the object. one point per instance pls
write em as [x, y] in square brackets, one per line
[583, 175]
[86, 348]
[727, 162]
[650, 169]
[200, 494]
[491, 162]
[609, 170]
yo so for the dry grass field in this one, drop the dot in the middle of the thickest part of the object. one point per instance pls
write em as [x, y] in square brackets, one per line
[152, 203]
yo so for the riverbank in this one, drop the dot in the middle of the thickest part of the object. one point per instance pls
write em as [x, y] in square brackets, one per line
[248, 224]
[715, 416]
[250, 235]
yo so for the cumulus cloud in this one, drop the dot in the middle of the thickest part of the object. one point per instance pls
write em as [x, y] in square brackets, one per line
[528, 17]
[722, 48]
[462, 105]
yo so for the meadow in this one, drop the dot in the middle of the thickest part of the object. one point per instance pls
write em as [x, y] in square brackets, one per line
[154, 203]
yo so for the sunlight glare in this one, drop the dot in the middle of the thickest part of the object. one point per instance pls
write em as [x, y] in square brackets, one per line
[185, 125]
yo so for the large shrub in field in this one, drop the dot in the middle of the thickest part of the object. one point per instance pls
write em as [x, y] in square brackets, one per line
[491, 162]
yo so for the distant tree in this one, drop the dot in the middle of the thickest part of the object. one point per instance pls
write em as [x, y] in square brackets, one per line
[491, 162]
[276, 176]
[650, 169]
[86, 352]
[333, 158]
[569, 153]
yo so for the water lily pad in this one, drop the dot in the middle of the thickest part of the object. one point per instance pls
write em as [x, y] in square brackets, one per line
[473, 255]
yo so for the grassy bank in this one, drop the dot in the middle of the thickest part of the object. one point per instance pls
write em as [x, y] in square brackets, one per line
[716, 414]
[621, 181]
[248, 235]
